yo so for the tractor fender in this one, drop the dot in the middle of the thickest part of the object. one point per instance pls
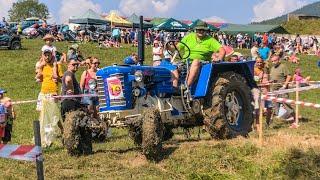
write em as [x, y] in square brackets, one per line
[209, 72]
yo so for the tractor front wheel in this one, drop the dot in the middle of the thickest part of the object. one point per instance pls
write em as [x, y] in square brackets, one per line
[152, 132]
[77, 135]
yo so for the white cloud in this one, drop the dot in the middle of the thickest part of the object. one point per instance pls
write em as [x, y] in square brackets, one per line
[5, 6]
[51, 19]
[75, 8]
[147, 7]
[272, 8]
[215, 19]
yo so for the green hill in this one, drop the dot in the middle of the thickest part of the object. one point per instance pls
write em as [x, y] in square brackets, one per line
[310, 10]
[302, 27]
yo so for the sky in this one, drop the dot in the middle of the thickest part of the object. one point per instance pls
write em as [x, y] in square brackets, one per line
[229, 11]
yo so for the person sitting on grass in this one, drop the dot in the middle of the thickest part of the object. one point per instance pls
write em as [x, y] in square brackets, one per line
[297, 77]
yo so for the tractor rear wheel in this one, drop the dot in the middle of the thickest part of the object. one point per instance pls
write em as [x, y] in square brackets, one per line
[229, 111]
[77, 135]
[152, 132]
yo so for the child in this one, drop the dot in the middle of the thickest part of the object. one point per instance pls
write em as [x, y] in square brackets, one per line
[47, 49]
[9, 117]
[3, 113]
[48, 44]
[297, 77]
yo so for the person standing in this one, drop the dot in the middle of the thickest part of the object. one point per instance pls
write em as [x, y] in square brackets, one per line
[70, 86]
[261, 76]
[48, 107]
[254, 51]
[157, 53]
[88, 77]
[280, 74]
[265, 52]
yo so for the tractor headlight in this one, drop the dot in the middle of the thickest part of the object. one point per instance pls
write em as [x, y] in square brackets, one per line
[92, 84]
[138, 76]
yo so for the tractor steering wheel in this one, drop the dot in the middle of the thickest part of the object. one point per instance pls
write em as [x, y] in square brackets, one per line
[173, 43]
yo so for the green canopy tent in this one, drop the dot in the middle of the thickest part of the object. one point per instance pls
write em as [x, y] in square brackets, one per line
[211, 27]
[89, 17]
[157, 21]
[251, 29]
[172, 25]
[136, 21]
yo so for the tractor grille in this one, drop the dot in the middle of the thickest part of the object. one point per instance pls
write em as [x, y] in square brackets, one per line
[121, 101]
[101, 92]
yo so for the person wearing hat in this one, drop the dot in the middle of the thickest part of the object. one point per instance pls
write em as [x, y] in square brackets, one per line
[47, 57]
[48, 75]
[202, 46]
[48, 39]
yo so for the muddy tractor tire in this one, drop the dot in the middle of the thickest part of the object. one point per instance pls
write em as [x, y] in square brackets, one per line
[152, 132]
[135, 130]
[228, 111]
[77, 135]
[99, 130]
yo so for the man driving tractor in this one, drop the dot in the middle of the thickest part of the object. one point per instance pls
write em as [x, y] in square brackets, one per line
[202, 46]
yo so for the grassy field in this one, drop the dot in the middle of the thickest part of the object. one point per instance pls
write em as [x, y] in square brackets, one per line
[286, 153]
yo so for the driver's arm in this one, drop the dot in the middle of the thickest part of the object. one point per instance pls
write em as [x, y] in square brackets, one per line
[217, 47]
[222, 53]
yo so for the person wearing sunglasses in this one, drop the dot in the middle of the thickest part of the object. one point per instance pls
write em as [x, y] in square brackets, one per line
[202, 46]
[88, 85]
[70, 86]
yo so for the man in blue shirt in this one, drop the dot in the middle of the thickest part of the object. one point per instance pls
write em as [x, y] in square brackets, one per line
[264, 52]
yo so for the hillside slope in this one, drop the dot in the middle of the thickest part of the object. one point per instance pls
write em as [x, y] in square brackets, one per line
[303, 27]
[310, 9]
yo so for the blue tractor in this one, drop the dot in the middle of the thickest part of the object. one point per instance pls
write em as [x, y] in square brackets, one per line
[143, 99]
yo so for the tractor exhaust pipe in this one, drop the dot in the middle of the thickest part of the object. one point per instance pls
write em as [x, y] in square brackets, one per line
[141, 42]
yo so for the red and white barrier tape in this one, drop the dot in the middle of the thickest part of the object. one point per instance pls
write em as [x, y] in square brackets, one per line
[20, 152]
[75, 96]
[289, 101]
[285, 91]
[269, 84]
[24, 102]
[57, 97]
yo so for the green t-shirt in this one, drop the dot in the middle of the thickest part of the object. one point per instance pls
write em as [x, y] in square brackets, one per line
[200, 49]
[279, 74]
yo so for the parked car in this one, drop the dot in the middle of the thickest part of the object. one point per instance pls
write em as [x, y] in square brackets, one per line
[9, 40]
